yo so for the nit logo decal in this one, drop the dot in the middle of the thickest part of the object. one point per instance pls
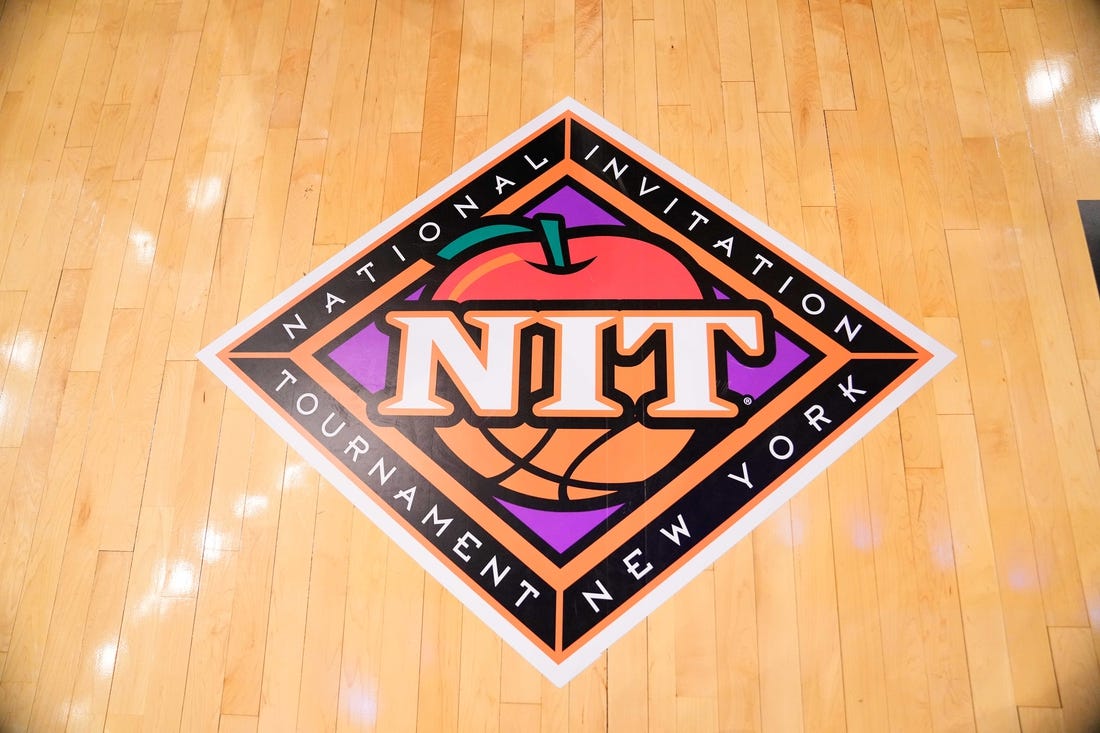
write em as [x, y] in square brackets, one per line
[569, 377]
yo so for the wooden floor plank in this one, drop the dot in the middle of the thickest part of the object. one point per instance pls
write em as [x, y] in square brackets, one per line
[90, 213]
[833, 62]
[987, 652]
[661, 678]
[141, 237]
[519, 716]
[14, 23]
[619, 61]
[238, 724]
[776, 613]
[672, 52]
[819, 648]
[907, 690]
[922, 204]
[734, 50]
[780, 164]
[587, 53]
[259, 508]
[441, 638]
[145, 97]
[185, 558]
[41, 585]
[940, 115]
[49, 183]
[646, 125]
[374, 124]
[25, 496]
[402, 619]
[286, 624]
[588, 699]
[815, 182]
[705, 98]
[34, 71]
[952, 390]
[362, 641]
[974, 547]
[1041, 719]
[209, 640]
[197, 268]
[1073, 95]
[554, 707]
[1049, 313]
[563, 47]
[506, 72]
[83, 565]
[989, 33]
[441, 95]
[743, 146]
[11, 309]
[737, 645]
[99, 649]
[859, 614]
[343, 134]
[138, 633]
[106, 268]
[1052, 158]
[766, 40]
[628, 681]
[326, 49]
[412, 65]
[1090, 377]
[952, 703]
[696, 660]
[178, 71]
[1044, 489]
[519, 682]
[479, 676]
[473, 69]
[1016, 557]
[293, 65]
[962, 63]
[1078, 676]
[164, 699]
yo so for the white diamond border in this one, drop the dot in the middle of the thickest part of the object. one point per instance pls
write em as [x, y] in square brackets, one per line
[560, 674]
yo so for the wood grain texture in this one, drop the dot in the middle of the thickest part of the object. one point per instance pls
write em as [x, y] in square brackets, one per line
[167, 563]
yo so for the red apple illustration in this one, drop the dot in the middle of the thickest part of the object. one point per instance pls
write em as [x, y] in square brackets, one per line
[552, 265]
[571, 463]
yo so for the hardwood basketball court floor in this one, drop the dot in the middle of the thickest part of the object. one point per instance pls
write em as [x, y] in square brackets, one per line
[167, 563]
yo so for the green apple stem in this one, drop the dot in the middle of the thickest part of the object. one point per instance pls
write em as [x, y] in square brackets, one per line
[478, 236]
[557, 253]
[551, 227]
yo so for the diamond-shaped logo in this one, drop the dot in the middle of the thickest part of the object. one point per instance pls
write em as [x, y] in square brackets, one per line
[569, 377]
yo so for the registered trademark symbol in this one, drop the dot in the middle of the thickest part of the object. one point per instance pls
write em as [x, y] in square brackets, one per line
[748, 401]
